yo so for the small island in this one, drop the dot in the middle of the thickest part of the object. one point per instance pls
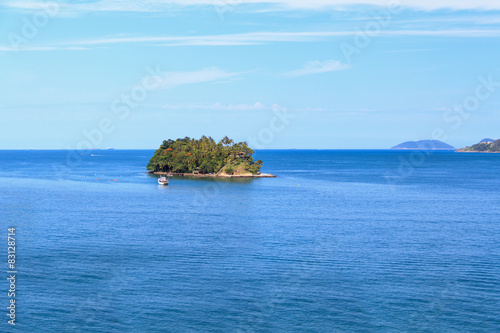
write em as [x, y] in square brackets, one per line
[424, 145]
[484, 146]
[205, 158]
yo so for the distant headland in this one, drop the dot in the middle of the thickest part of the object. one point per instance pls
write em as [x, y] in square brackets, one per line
[484, 146]
[205, 158]
[424, 145]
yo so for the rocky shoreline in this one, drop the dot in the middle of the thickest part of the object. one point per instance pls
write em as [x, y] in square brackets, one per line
[198, 175]
[463, 150]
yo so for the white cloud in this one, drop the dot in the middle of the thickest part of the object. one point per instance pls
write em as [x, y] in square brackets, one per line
[64, 8]
[41, 48]
[173, 79]
[224, 39]
[251, 38]
[316, 67]
[159, 5]
[225, 107]
[415, 4]
[269, 37]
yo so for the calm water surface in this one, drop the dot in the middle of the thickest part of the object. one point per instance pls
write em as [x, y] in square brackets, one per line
[340, 241]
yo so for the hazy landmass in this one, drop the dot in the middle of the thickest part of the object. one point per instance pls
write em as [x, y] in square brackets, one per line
[486, 140]
[424, 145]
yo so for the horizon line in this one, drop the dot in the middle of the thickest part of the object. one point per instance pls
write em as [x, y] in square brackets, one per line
[114, 149]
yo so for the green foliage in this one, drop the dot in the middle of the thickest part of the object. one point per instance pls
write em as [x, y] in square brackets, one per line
[203, 155]
[486, 147]
[255, 168]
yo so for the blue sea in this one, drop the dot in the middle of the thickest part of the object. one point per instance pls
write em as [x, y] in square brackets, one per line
[340, 241]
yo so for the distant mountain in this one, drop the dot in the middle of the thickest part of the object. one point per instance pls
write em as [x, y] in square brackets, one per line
[424, 145]
[485, 146]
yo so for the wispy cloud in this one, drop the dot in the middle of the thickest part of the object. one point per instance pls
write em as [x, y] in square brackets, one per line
[41, 48]
[224, 107]
[316, 67]
[223, 39]
[159, 5]
[173, 79]
[251, 38]
[65, 7]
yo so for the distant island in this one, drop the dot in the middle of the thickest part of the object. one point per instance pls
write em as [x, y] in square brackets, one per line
[484, 146]
[424, 145]
[486, 140]
[205, 158]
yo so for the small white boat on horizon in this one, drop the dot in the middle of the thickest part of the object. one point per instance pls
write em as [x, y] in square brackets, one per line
[163, 181]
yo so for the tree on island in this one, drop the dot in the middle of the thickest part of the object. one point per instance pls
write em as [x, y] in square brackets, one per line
[204, 156]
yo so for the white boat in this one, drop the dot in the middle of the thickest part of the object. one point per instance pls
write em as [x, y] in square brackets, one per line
[163, 181]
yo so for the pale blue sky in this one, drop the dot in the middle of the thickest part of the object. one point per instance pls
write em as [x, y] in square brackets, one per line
[228, 67]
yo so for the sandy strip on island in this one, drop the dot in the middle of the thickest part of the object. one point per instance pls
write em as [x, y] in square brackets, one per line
[213, 175]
